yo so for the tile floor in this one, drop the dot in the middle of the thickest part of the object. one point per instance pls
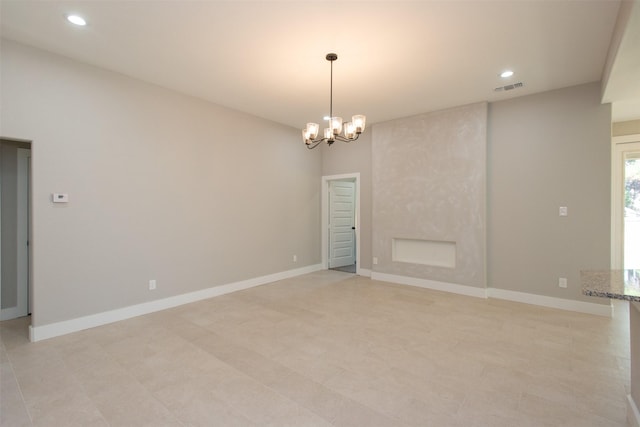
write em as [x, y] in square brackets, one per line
[347, 268]
[325, 349]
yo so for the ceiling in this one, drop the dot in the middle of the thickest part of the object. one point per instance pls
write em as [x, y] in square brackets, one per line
[396, 58]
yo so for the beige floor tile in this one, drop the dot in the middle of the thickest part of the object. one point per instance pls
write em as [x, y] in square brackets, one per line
[327, 348]
[330, 405]
[132, 405]
[13, 411]
[103, 377]
[4, 357]
[70, 410]
[551, 413]
[209, 412]
[14, 333]
[297, 417]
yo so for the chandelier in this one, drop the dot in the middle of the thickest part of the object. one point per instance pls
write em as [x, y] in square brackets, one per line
[336, 131]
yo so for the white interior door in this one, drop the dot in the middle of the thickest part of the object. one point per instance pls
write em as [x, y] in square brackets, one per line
[341, 224]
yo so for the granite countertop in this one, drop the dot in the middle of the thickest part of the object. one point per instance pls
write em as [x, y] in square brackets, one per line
[609, 284]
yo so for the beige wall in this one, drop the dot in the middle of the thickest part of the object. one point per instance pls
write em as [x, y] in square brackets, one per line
[354, 157]
[429, 175]
[161, 186]
[545, 151]
[631, 127]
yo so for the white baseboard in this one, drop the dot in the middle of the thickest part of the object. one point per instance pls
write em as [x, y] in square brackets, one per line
[551, 302]
[431, 284]
[540, 300]
[633, 414]
[51, 330]
[364, 272]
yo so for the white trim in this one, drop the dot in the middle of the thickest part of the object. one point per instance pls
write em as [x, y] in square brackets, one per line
[633, 414]
[364, 272]
[552, 302]
[355, 177]
[625, 138]
[533, 299]
[51, 330]
[22, 251]
[621, 145]
[617, 195]
[22, 224]
[431, 284]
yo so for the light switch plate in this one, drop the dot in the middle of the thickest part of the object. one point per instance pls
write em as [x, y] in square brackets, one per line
[563, 211]
[60, 198]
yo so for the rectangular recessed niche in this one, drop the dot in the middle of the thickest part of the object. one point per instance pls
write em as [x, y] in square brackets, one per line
[426, 252]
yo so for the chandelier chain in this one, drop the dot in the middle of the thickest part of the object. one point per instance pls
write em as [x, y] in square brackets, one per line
[331, 92]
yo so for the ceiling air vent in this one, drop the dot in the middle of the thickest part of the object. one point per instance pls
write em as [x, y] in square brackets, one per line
[508, 87]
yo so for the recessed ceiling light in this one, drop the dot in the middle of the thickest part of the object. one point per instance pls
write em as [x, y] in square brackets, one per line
[77, 20]
[506, 73]
[326, 118]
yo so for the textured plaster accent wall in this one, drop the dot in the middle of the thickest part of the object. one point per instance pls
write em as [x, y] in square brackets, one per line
[429, 179]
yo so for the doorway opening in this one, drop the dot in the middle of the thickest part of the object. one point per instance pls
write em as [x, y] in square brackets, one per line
[626, 207]
[340, 222]
[15, 220]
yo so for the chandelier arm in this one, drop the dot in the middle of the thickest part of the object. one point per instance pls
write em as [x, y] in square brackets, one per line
[314, 143]
[343, 139]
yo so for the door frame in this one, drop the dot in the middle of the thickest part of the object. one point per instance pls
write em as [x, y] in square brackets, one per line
[23, 254]
[24, 194]
[352, 177]
[617, 197]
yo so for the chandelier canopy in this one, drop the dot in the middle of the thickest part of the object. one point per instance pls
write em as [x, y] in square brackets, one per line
[336, 131]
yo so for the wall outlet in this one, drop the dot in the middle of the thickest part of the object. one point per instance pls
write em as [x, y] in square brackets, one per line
[375, 260]
[152, 285]
[562, 282]
[295, 258]
[563, 211]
